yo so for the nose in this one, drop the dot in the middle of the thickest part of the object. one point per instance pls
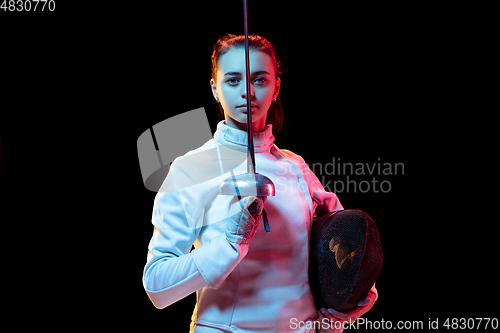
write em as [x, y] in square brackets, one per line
[244, 90]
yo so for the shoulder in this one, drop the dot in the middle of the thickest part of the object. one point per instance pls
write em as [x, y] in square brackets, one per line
[287, 154]
[200, 152]
[196, 156]
[187, 170]
[202, 166]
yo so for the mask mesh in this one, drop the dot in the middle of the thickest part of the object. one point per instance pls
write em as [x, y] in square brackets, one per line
[345, 259]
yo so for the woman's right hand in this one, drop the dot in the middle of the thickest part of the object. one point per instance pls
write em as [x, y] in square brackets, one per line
[241, 231]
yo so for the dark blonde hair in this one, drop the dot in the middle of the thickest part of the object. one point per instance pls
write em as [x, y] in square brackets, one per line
[256, 43]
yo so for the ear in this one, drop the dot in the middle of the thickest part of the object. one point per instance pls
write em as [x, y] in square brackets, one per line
[277, 88]
[214, 90]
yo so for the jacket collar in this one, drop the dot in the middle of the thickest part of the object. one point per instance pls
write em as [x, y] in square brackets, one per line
[262, 141]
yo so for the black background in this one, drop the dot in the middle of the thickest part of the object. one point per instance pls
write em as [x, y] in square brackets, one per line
[359, 83]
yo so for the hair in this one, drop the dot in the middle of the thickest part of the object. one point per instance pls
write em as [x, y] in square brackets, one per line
[256, 43]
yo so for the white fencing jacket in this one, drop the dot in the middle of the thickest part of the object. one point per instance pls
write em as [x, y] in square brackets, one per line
[259, 287]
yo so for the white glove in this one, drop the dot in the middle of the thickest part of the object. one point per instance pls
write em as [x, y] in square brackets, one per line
[242, 229]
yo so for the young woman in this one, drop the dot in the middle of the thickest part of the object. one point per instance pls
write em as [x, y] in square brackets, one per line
[246, 279]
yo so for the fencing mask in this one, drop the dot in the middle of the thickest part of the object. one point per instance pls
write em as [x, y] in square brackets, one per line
[345, 259]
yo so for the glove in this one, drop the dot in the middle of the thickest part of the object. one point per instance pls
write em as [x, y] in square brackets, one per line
[241, 231]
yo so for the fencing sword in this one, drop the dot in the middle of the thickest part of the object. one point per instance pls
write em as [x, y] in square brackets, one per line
[250, 183]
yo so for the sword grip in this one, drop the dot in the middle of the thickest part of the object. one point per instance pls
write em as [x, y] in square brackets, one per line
[266, 222]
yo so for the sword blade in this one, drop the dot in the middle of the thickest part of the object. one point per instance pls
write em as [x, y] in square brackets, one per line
[251, 161]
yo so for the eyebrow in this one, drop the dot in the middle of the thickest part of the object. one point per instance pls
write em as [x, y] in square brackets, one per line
[254, 73]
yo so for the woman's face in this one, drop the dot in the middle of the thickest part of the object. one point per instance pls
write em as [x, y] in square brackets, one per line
[230, 87]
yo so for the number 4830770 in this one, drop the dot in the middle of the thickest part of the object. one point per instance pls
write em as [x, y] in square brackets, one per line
[28, 5]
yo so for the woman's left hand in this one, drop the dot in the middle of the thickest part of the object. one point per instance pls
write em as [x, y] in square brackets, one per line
[363, 307]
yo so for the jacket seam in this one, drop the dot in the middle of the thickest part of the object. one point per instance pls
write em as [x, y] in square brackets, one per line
[235, 293]
[212, 324]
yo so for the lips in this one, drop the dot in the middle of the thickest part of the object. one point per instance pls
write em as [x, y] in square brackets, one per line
[245, 105]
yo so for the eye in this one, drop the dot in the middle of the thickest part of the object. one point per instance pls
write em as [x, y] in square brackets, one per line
[233, 81]
[260, 80]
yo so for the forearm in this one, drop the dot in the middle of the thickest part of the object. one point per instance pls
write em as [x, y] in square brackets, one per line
[217, 259]
[168, 280]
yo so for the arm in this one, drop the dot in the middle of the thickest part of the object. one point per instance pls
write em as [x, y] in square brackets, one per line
[172, 272]
[324, 202]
